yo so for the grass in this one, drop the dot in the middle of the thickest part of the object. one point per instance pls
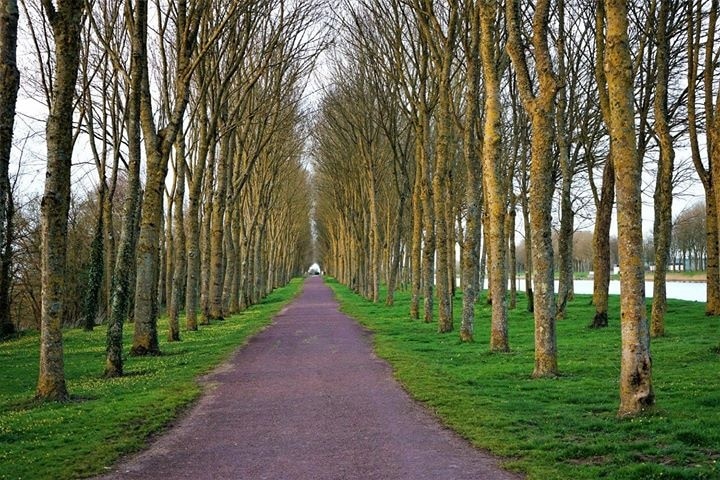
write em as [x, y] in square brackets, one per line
[109, 418]
[563, 428]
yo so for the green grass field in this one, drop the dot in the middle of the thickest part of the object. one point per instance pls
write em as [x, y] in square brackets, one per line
[564, 428]
[109, 418]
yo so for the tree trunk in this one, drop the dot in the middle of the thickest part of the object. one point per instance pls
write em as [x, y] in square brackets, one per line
[215, 307]
[192, 239]
[66, 24]
[662, 231]
[512, 256]
[473, 169]
[541, 191]
[694, 28]
[428, 261]
[540, 108]
[526, 231]
[179, 262]
[442, 204]
[395, 252]
[636, 392]
[145, 338]
[713, 136]
[712, 268]
[493, 179]
[415, 254]
[96, 268]
[158, 146]
[123, 271]
[567, 167]
[601, 246]
[9, 85]
[205, 235]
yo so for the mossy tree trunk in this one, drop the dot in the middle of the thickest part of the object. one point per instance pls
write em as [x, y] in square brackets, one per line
[441, 44]
[494, 179]
[95, 270]
[123, 271]
[567, 170]
[712, 119]
[416, 246]
[540, 107]
[473, 172]
[512, 254]
[158, 146]
[604, 204]
[694, 29]
[636, 391]
[9, 85]
[66, 22]
[179, 262]
[601, 246]
[217, 264]
[662, 229]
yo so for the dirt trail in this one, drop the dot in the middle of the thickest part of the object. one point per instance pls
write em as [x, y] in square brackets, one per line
[307, 399]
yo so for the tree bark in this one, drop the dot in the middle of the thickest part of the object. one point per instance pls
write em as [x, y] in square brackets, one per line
[473, 172]
[415, 254]
[636, 392]
[9, 85]
[66, 24]
[512, 256]
[567, 168]
[601, 246]
[158, 146]
[179, 262]
[540, 108]
[215, 307]
[493, 180]
[96, 268]
[662, 230]
[601, 236]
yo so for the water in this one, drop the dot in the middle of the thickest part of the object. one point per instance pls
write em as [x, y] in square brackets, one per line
[693, 291]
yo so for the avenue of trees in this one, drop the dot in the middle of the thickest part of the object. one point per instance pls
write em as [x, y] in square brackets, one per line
[448, 123]
[452, 132]
[192, 117]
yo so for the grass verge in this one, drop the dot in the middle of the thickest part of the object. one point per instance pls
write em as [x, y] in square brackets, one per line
[563, 428]
[109, 418]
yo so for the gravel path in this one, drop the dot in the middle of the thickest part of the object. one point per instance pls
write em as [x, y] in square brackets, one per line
[307, 399]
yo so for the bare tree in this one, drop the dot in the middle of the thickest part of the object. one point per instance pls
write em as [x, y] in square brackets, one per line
[9, 85]
[66, 22]
[540, 107]
[636, 392]
[662, 231]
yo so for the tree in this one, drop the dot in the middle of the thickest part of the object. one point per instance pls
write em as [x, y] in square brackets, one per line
[636, 392]
[694, 27]
[159, 142]
[540, 107]
[9, 85]
[120, 293]
[567, 169]
[493, 178]
[473, 166]
[604, 201]
[441, 42]
[662, 231]
[66, 22]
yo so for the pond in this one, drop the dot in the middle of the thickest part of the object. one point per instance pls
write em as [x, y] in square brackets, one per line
[693, 291]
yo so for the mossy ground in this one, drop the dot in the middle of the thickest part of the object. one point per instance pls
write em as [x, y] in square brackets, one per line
[563, 428]
[107, 418]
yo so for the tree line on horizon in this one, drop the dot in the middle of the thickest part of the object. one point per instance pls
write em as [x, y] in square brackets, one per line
[193, 116]
[448, 120]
